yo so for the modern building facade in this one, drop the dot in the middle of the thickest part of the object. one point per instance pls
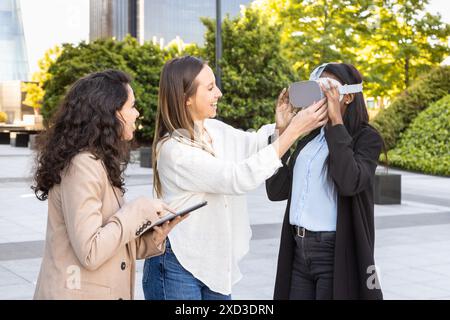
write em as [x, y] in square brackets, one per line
[115, 19]
[13, 61]
[159, 21]
[11, 101]
[169, 19]
[13, 54]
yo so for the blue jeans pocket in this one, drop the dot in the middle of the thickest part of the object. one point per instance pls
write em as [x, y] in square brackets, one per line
[152, 278]
[146, 271]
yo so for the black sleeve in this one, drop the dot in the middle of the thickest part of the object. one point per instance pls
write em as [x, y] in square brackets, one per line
[278, 185]
[352, 169]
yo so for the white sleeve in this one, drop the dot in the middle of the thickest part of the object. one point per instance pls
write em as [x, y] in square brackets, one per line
[195, 170]
[253, 140]
[260, 138]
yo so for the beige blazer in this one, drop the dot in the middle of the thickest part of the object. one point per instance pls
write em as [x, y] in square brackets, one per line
[92, 244]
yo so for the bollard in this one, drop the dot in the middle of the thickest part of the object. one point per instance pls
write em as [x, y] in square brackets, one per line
[387, 188]
[146, 157]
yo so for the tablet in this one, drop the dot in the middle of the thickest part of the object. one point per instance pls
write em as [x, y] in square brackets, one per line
[171, 216]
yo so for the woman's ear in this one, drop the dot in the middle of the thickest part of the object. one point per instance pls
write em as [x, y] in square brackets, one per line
[188, 102]
[348, 98]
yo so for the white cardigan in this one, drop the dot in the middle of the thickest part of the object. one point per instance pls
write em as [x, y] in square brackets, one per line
[213, 239]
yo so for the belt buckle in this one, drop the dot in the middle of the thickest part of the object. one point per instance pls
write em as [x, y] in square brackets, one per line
[301, 232]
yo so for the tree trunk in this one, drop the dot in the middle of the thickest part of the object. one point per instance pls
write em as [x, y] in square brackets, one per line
[406, 72]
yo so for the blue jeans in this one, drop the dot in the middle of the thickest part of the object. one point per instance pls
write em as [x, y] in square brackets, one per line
[165, 278]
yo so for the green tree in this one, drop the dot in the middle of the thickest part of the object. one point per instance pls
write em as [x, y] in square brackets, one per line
[425, 90]
[406, 41]
[143, 63]
[253, 69]
[75, 62]
[146, 63]
[424, 145]
[178, 48]
[390, 41]
[318, 31]
[34, 90]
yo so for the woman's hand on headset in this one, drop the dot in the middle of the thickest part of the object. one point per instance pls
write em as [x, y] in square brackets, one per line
[334, 106]
[283, 112]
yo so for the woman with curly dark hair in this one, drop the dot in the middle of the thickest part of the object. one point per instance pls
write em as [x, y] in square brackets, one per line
[93, 238]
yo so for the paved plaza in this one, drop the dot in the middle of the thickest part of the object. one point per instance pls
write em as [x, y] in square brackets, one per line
[412, 239]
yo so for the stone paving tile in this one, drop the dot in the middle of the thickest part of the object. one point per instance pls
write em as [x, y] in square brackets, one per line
[414, 275]
[23, 291]
[419, 291]
[27, 270]
[8, 278]
[441, 283]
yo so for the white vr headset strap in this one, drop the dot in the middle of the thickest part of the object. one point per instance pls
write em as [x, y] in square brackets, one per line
[350, 88]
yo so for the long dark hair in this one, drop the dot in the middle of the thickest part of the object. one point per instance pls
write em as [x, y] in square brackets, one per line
[85, 121]
[356, 115]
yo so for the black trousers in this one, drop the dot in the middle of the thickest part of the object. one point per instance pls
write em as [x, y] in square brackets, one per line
[313, 266]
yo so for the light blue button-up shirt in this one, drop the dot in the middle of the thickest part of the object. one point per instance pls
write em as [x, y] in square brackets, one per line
[314, 194]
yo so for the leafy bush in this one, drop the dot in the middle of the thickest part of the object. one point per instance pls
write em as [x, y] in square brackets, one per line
[142, 62]
[253, 69]
[425, 146]
[392, 121]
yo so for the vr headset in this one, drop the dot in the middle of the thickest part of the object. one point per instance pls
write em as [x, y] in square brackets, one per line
[302, 94]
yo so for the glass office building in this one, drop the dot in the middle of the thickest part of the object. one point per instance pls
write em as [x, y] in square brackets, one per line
[114, 18]
[155, 20]
[13, 55]
[167, 19]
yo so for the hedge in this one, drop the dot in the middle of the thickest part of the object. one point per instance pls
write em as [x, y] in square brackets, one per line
[425, 145]
[142, 62]
[395, 119]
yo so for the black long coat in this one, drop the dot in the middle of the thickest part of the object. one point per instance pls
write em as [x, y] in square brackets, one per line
[351, 164]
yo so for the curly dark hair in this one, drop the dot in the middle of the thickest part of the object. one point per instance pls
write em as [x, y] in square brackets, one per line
[85, 121]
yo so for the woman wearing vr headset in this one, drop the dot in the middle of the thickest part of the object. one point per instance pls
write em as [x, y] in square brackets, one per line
[327, 240]
[196, 158]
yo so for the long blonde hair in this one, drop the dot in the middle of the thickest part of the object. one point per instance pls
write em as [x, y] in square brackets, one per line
[176, 85]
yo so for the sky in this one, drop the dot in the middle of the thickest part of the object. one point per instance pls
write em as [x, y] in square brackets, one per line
[51, 22]
[47, 23]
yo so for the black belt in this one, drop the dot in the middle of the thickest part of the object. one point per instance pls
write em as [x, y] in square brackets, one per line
[303, 232]
[300, 231]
